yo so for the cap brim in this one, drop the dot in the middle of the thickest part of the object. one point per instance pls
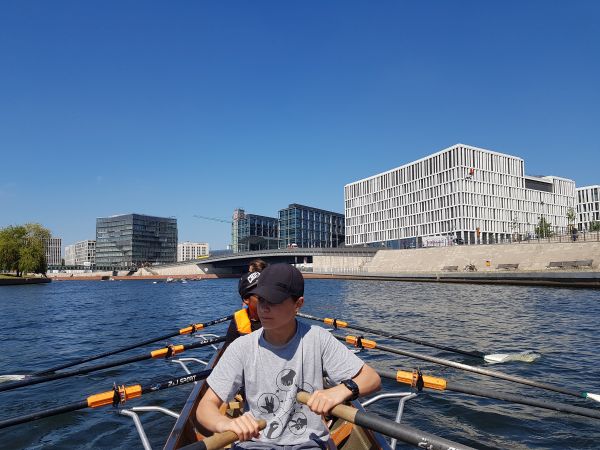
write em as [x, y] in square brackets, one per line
[271, 295]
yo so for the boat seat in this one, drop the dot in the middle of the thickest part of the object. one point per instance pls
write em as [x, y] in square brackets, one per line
[450, 268]
[508, 266]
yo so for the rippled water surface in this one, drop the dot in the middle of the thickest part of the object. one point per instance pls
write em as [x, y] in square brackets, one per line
[42, 326]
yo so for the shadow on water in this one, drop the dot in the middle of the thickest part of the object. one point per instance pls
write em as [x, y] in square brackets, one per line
[41, 326]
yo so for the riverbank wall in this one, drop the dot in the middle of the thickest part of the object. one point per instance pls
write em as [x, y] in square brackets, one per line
[17, 281]
[518, 264]
[485, 258]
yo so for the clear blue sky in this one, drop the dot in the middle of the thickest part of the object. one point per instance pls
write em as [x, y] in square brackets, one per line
[190, 107]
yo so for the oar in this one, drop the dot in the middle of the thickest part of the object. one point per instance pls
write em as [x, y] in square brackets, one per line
[491, 358]
[115, 397]
[441, 384]
[364, 343]
[165, 352]
[186, 330]
[219, 440]
[390, 428]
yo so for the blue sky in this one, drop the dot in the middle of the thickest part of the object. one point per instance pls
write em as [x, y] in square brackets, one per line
[189, 107]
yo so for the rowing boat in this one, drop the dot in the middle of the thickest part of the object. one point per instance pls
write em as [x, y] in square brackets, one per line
[344, 435]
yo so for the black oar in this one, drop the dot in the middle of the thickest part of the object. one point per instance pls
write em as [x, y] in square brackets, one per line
[115, 397]
[186, 330]
[390, 428]
[440, 384]
[493, 357]
[364, 343]
[165, 352]
[219, 440]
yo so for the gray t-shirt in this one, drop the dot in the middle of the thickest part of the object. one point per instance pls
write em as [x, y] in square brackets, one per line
[272, 375]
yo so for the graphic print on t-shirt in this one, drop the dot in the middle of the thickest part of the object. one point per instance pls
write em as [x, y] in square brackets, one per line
[282, 404]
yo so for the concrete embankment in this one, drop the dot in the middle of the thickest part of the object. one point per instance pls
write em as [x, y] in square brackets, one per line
[93, 277]
[17, 281]
[528, 264]
[580, 279]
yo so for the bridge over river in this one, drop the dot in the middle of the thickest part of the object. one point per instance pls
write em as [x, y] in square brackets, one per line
[237, 263]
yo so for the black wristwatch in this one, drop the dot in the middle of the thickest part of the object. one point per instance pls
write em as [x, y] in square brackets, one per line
[353, 387]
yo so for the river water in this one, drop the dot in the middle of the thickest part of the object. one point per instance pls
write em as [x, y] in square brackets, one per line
[44, 325]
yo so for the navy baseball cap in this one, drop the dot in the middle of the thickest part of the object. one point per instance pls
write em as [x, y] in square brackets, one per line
[247, 284]
[278, 282]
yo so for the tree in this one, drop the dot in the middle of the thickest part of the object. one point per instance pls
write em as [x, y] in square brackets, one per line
[571, 218]
[594, 226]
[543, 228]
[23, 248]
[33, 252]
[11, 241]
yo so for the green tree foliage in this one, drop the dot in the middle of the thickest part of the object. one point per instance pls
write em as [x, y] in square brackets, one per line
[594, 226]
[22, 248]
[11, 241]
[571, 218]
[543, 228]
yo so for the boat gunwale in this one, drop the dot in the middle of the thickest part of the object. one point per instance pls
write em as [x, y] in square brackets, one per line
[189, 408]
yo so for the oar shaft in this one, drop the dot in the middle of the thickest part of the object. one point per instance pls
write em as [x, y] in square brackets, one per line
[390, 428]
[102, 355]
[473, 354]
[42, 414]
[507, 397]
[106, 398]
[479, 370]
[97, 367]
[181, 331]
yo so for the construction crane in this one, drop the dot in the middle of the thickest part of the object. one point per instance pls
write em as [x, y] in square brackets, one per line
[216, 219]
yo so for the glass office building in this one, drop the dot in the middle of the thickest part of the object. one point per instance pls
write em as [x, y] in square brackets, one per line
[135, 240]
[250, 232]
[304, 226]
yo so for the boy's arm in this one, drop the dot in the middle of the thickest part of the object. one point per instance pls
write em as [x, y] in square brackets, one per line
[209, 417]
[322, 401]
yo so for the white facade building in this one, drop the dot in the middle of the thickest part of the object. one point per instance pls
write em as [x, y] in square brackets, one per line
[82, 253]
[53, 251]
[462, 194]
[588, 207]
[192, 250]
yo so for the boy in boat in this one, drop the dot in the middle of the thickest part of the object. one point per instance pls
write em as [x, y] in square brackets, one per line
[246, 320]
[274, 363]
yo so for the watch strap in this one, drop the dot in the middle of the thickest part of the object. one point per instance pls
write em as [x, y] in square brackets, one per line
[352, 387]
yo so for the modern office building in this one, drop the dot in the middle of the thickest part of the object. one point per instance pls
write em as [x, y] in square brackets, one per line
[253, 232]
[53, 251]
[82, 253]
[462, 194]
[192, 250]
[135, 240]
[588, 208]
[308, 227]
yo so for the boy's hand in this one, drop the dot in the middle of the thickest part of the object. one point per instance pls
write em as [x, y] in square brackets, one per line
[244, 426]
[323, 401]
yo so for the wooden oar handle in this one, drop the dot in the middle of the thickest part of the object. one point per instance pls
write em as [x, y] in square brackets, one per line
[220, 440]
[342, 411]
